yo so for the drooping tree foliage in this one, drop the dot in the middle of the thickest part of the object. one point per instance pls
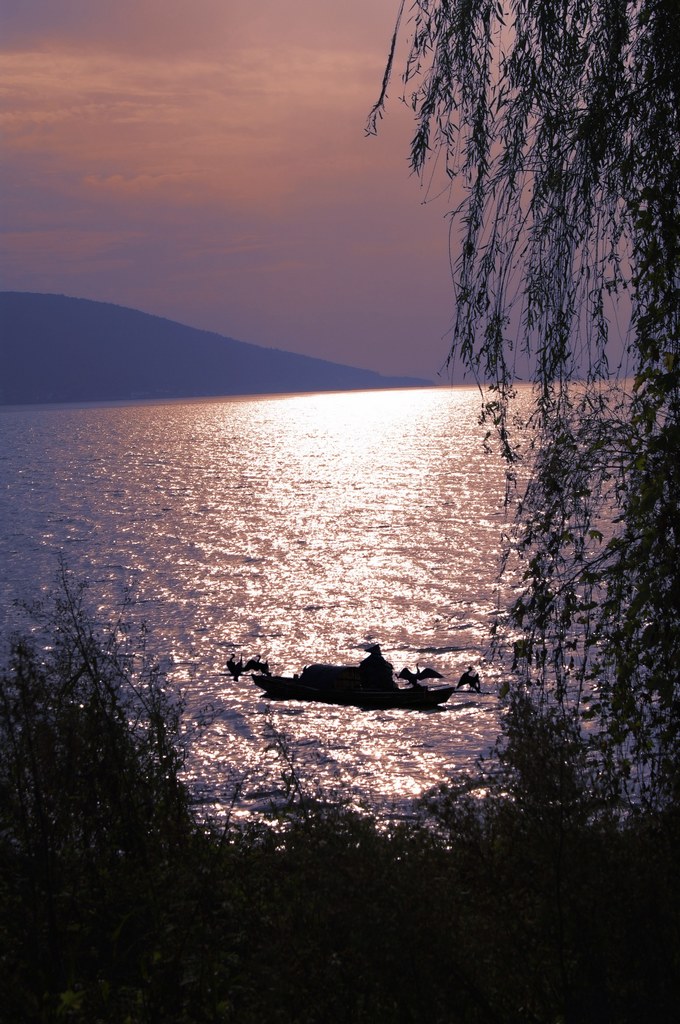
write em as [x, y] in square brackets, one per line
[556, 126]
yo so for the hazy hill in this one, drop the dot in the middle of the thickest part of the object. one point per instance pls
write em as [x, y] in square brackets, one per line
[58, 349]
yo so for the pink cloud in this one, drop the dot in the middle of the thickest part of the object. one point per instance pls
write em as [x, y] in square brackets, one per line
[216, 171]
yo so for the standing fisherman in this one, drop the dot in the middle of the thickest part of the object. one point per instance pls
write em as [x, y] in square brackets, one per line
[376, 671]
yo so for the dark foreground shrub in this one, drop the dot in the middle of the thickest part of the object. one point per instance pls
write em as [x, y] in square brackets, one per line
[101, 862]
[531, 904]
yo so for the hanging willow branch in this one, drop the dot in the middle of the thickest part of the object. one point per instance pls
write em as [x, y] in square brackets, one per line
[557, 125]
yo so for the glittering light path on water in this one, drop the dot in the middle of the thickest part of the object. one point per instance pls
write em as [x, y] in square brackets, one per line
[299, 528]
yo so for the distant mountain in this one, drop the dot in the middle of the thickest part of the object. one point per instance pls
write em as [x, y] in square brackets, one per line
[57, 349]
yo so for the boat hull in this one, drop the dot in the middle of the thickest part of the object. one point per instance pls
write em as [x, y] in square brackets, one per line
[413, 698]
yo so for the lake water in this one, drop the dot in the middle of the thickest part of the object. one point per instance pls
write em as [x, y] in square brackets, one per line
[299, 528]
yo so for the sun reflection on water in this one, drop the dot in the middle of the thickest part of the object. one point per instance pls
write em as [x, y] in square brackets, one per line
[299, 528]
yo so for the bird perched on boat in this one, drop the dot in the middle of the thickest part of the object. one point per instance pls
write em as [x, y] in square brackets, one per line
[470, 678]
[237, 668]
[255, 665]
[420, 673]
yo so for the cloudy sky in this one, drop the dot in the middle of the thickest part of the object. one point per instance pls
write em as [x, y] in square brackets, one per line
[205, 160]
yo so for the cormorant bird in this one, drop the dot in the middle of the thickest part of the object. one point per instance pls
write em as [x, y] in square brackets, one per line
[470, 678]
[420, 673]
[237, 668]
[254, 664]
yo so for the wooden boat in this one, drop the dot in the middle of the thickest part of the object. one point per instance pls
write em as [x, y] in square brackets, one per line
[339, 684]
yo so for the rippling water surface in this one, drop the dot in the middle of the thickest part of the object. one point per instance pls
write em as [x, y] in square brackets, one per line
[299, 528]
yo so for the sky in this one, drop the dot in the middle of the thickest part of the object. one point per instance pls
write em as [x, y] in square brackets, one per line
[206, 161]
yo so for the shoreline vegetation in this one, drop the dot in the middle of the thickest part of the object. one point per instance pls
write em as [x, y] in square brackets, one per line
[540, 901]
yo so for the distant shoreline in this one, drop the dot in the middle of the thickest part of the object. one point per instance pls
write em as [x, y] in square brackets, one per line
[61, 350]
[214, 399]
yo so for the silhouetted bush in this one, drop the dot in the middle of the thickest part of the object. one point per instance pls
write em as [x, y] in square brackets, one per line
[532, 903]
[100, 856]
